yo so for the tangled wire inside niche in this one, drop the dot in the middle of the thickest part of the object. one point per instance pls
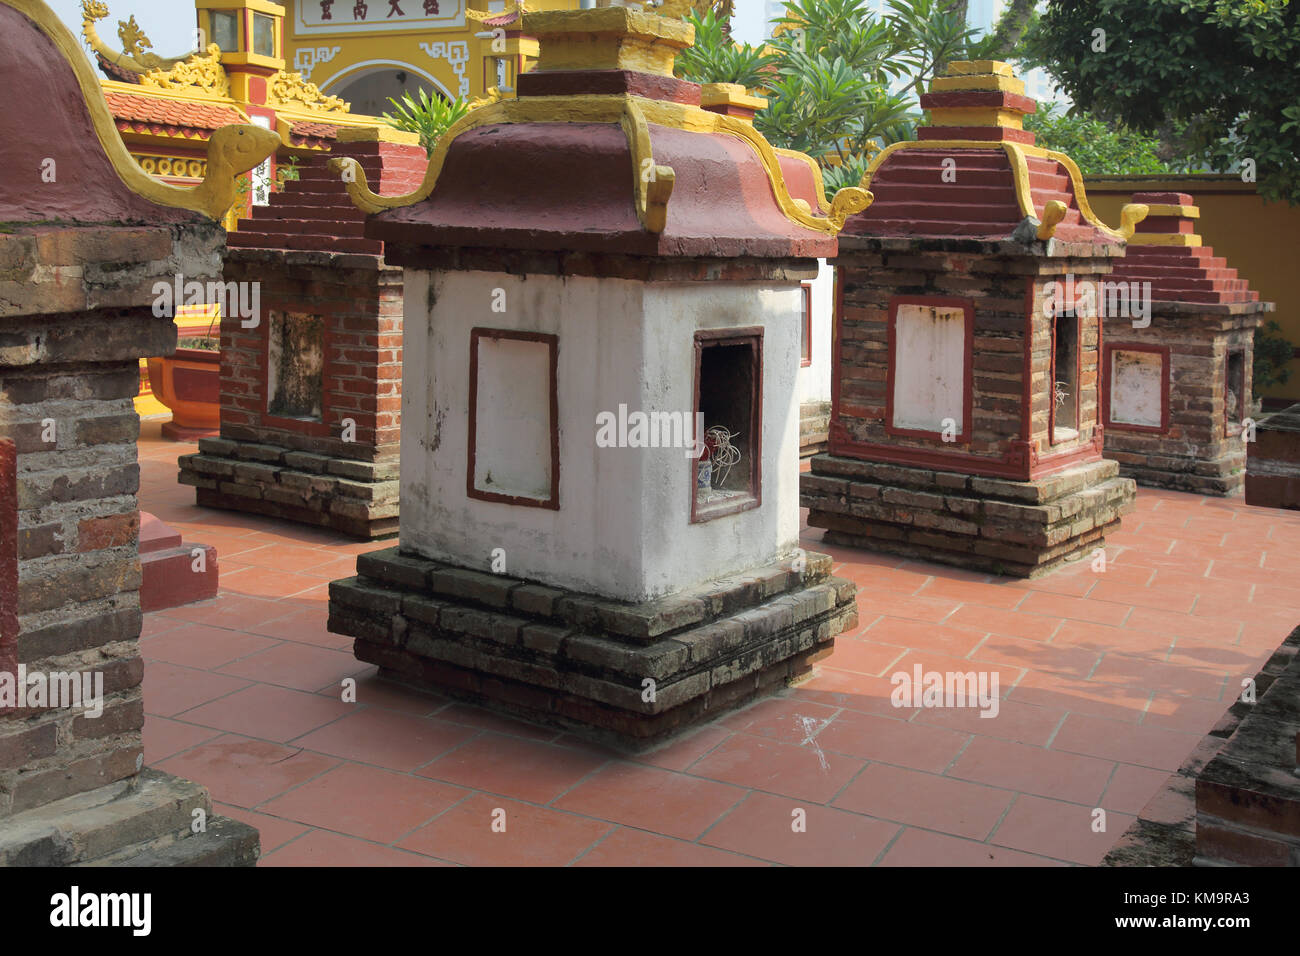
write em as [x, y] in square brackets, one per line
[720, 456]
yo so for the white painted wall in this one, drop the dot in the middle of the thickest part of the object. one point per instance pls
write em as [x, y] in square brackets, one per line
[815, 379]
[930, 370]
[623, 528]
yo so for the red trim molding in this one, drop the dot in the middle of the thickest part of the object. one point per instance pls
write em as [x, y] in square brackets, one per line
[968, 367]
[8, 557]
[303, 426]
[1078, 378]
[753, 338]
[1165, 357]
[552, 502]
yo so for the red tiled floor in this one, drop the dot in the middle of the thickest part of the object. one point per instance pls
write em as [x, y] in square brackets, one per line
[1107, 680]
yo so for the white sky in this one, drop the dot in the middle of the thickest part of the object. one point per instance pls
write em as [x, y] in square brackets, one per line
[169, 23]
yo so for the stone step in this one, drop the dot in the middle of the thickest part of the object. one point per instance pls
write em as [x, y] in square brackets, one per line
[225, 842]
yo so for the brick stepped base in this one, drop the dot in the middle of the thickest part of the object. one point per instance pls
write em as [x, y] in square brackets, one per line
[814, 426]
[144, 821]
[1021, 528]
[358, 498]
[1273, 465]
[168, 577]
[1248, 797]
[1219, 470]
[584, 663]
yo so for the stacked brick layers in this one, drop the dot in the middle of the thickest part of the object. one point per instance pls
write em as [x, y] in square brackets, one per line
[1273, 466]
[338, 469]
[1248, 796]
[1168, 831]
[1198, 452]
[989, 502]
[629, 674]
[72, 330]
[814, 422]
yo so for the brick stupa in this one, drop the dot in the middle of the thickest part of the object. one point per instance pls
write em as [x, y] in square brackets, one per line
[965, 417]
[311, 396]
[1177, 381]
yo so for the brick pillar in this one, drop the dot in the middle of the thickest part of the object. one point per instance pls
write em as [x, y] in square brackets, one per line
[8, 558]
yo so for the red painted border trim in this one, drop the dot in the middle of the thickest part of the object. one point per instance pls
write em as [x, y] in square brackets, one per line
[806, 345]
[1227, 384]
[968, 367]
[752, 337]
[552, 342]
[1166, 358]
[1078, 379]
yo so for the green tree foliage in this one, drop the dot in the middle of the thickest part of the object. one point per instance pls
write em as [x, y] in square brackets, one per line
[1099, 148]
[828, 74]
[428, 116]
[1225, 68]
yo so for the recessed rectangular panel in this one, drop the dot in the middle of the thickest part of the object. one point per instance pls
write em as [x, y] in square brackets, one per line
[1137, 388]
[513, 437]
[929, 375]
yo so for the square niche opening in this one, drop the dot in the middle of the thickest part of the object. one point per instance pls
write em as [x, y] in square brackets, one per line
[728, 396]
[1137, 388]
[514, 439]
[295, 366]
[1065, 377]
[1234, 394]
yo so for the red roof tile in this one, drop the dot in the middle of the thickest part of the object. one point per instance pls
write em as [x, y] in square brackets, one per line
[137, 108]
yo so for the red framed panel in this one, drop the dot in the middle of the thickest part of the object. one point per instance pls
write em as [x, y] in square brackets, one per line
[303, 426]
[752, 337]
[1232, 429]
[806, 333]
[551, 341]
[8, 557]
[1165, 358]
[968, 366]
[1078, 379]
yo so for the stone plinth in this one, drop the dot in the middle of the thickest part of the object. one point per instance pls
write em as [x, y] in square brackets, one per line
[631, 673]
[1178, 355]
[1273, 465]
[311, 395]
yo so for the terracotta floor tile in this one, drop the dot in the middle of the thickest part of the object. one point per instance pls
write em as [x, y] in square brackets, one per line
[229, 610]
[1008, 674]
[385, 738]
[1184, 714]
[933, 609]
[170, 689]
[868, 737]
[471, 833]
[1076, 609]
[863, 656]
[1064, 692]
[306, 625]
[272, 713]
[1153, 643]
[923, 848]
[1131, 788]
[321, 848]
[1049, 773]
[836, 688]
[198, 646]
[266, 583]
[287, 557]
[273, 831]
[789, 720]
[1114, 740]
[953, 641]
[366, 802]
[514, 767]
[1155, 675]
[296, 666]
[1023, 723]
[1062, 831]
[637, 848]
[245, 772]
[1033, 627]
[374, 691]
[925, 800]
[764, 826]
[1035, 655]
[803, 771]
[989, 592]
[164, 737]
[683, 752]
[652, 799]
[1177, 599]
[468, 716]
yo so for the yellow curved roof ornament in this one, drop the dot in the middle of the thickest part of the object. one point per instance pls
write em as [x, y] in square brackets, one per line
[1053, 213]
[231, 150]
[135, 58]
